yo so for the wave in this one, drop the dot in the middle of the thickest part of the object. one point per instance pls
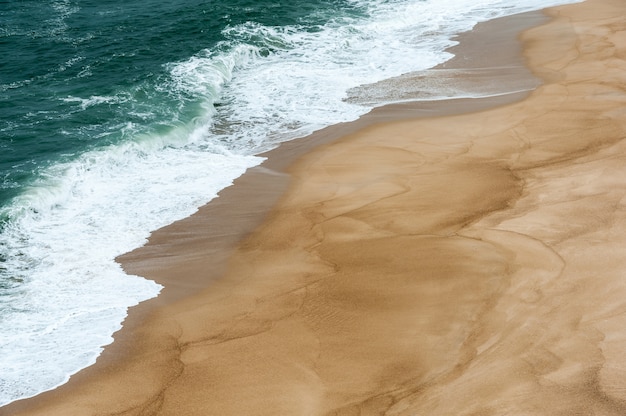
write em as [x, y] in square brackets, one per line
[59, 241]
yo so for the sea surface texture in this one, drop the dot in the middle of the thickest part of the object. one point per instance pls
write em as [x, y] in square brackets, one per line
[118, 117]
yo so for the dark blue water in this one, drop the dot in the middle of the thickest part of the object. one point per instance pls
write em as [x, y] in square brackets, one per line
[120, 116]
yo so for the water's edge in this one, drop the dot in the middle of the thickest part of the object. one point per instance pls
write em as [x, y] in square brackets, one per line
[220, 225]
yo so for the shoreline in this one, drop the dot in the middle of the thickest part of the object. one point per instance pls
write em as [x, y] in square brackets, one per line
[511, 187]
[229, 222]
[265, 183]
[225, 221]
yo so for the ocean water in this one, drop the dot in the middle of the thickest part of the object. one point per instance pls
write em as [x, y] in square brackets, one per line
[119, 117]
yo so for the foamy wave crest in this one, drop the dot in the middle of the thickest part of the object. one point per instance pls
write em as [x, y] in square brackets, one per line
[204, 75]
[95, 100]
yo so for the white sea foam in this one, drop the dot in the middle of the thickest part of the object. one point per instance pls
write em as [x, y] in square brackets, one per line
[301, 85]
[68, 227]
[71, 226]
[95, 100]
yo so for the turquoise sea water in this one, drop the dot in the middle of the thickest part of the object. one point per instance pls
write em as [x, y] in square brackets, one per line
[119, 117]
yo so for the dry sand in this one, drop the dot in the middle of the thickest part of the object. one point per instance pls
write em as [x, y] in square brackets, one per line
[469, 264]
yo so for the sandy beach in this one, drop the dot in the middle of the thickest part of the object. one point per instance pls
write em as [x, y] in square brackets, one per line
[461, 257]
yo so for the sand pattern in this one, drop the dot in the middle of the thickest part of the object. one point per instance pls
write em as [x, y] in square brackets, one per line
[468, 264]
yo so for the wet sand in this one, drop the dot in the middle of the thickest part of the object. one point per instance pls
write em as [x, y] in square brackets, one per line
[466, 263]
